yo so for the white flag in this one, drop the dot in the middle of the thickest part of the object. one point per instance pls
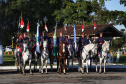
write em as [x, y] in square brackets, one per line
[37, 39]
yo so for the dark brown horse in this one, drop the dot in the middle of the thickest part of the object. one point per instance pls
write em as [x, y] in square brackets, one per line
[62, 56]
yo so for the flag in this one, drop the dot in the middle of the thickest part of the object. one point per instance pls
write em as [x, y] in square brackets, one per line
[37, 39]
[65, 26]
[94, 24]
[22, 23]
[55, 43]
[76, 48]
[27, 27]
[19, 23]
[46, 27]
[83, 27]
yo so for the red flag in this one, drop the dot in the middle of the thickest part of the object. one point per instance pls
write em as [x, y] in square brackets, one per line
[27, 27]
[94, 24]
[83, 27]
[46, 27]
[22, 23]
[19, 23]
[65, 26]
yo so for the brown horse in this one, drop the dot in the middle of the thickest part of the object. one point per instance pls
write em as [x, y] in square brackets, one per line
[62, 56]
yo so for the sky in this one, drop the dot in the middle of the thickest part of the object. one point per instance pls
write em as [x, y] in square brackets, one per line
[114, 5]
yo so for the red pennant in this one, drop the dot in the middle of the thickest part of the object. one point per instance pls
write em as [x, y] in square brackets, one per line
[94, 24]
[27, 27]
[83, 27]
[22, 23]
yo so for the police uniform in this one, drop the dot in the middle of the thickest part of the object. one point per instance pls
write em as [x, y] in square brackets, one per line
[52, 43]
[81, 43]
[100, 41]
[20, 40]
[69, 41]
[42, 38]
[34, 43]
[60, 40]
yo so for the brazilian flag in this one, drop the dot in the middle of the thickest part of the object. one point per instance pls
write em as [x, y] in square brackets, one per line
[55, 43]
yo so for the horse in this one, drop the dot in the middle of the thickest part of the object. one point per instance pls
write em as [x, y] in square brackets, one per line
[70, 56]
[18, 59]
[44, 57]
[62, 56]
[88, 52]
[103, 55]
[26, 56]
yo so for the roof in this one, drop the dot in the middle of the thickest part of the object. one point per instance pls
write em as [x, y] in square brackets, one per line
[107, 29]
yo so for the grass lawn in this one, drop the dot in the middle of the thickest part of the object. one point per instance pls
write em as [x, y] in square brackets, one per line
[122, 59]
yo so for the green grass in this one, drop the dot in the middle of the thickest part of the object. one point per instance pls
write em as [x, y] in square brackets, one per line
[122, 59]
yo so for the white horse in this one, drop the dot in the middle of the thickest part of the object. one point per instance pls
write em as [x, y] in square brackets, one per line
[103, 55]
[89, 52]
[70, 56]
[17, 58]
[44, 57]
[26, 56]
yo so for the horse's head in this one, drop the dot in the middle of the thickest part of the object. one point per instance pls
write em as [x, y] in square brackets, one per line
[105, 46]
[25, 46]
[63, 46]
[45, 44]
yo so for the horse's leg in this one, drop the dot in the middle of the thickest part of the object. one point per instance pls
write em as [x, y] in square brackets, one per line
[90, 64]
[87, 66]
[104, 65]
[96, 65]
[46, 65]
[82, 69]
[60, 65]
[23, 67]
[41, 65]
[72, 62]
[100, 65]
[57, 65]
[30, 66]
[64, 66]
[67, 63]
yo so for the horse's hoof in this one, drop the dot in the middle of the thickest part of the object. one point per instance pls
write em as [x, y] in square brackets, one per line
[24, 74]
[104, 72]
[83, 73]
[57, 71]
[99, 72]
[65, 73]
[46, 73]
[31, 73]
[87, 73]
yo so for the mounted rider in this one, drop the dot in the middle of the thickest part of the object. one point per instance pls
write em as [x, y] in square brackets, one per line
[81, 42]
[51, 44]
[42, 38]
[20, 41]
[34, 43]
[61, 39]
[69, 41]
[100, 41]
[87, 40]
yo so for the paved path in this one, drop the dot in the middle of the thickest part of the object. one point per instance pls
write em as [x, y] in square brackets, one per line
[113, 76]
